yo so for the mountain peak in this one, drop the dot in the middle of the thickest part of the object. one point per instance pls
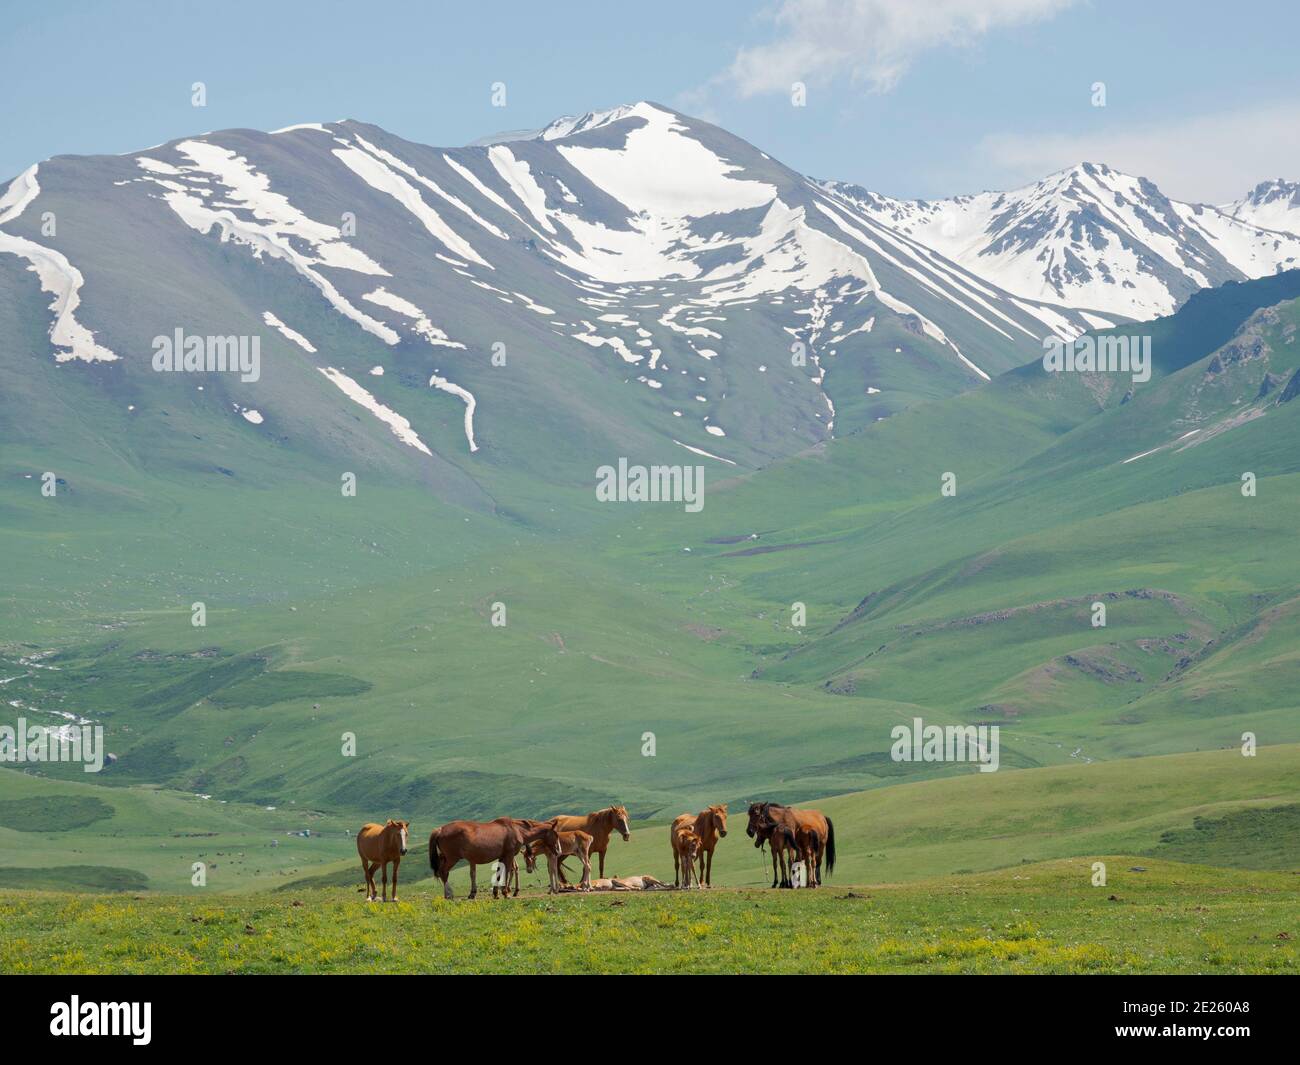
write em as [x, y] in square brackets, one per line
[1274, 189]
[572, 125]
[568, 126]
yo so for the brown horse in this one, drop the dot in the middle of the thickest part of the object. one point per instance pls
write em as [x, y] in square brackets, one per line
[687, 845]
[575, 843]
[808, 842]
[479, 842]
[781, 838]
[601, 824]
[378, 845]
[710, 824]
[530, 854]
[770, 813]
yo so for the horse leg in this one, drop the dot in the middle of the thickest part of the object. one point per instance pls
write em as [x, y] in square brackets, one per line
[396, 864]
[384, 866]
[365, 872]
[473, 880]
[677, 875]
[708, 869]
[601, 852]
[774, 861]
[585, 885]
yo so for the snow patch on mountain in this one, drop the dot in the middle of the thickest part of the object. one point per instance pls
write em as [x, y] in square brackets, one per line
[400, 427]
[662, 173]
[467, 397]
[518, 176]
[291, 334]
[423, 326]
[58, 277]
[379, 176]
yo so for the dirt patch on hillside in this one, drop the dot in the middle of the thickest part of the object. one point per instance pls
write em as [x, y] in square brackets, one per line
[708, 633]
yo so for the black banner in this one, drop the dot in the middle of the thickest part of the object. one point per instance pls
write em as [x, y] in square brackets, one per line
[144, 1014]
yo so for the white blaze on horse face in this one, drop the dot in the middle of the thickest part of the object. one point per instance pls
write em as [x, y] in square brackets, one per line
[403, 841]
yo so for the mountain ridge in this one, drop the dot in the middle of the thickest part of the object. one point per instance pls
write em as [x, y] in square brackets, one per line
[652, 283]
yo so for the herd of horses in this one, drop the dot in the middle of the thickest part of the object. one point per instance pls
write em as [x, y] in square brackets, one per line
[800, 842]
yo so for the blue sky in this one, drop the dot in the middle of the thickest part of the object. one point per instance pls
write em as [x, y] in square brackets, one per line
[910, 98]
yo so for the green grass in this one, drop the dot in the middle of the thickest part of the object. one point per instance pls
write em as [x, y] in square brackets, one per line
[1037, 918]
[1253, 838]
[53, 813]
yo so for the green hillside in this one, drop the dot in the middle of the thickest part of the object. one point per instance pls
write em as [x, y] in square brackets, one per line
[372, 617]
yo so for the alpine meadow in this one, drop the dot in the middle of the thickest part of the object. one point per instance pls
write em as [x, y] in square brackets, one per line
[890, 585]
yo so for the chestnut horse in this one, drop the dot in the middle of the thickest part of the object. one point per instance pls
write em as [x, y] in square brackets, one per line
[480, 842]
[530, 859]
[601, 824]
[575, 843]
[765, 813]
[808, 842]
[378, 845]
[710, 824]
[687, 845]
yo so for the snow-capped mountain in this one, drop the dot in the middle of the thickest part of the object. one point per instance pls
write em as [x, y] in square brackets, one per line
[646, 278]
[1099, 240]
[1269, 205]
[632, 281]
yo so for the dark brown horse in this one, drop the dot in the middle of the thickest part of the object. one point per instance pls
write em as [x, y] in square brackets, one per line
[763, 814]
[530, 859]
[378, 845]
[781, 838]
[481, 842]
[601, 825]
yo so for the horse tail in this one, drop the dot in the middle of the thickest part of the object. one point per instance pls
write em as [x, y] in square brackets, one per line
[434, 856]
[830, 847]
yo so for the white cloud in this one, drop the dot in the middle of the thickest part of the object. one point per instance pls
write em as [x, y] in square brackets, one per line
[1210, 158]
[869, 41]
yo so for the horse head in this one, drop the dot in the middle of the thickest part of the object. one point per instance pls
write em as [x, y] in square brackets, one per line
[399, 829]
[551, 840]
[537, 837]
[620, 821]
[690, 844]
[757, 821]
[719, 814]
